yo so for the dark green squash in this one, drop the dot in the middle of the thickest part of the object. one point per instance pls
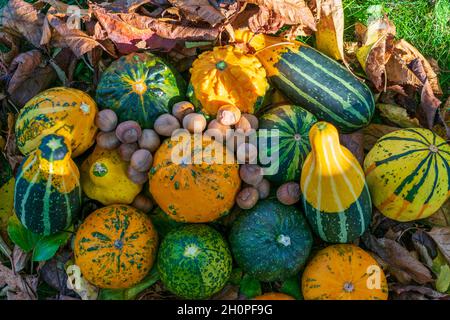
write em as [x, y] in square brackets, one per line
[271, 241]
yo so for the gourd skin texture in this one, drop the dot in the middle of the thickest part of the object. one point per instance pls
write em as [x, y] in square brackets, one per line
[336, 199]
[47, 196]
[226, 75]
[271, 241]
[408, 174]
[104, 178]
[115, 247]
[193, 192]
[140, 87]
[293, 124]
[353, 271]
[312, 80]
[7, 182]
[194, 261]
[273, 296]
[64, 111]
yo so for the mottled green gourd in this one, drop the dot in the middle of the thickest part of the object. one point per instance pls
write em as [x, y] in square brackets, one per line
[47, 193]
[271, 241]
[194, 261]
[140, 87]
[286, 132]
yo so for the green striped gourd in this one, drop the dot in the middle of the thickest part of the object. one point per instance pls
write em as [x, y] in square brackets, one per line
[314, 81]
[194, 261]
[288, 146]
[140, 87]
[408, 173]
[271, 241]
[336, 199]
[47, 193]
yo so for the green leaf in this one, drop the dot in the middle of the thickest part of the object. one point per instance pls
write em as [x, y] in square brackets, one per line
[443, 279]
[250, 287]
[47, 246]
[133, 292]
[21, 236]
[195, 44]
[292, 288]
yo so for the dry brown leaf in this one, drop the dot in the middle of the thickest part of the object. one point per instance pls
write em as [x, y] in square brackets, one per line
[373, 132]
[354, 143]
[29, 75]
[417, 292]
[293, 12]
[229, 292]
[18, 287]
[194, 9]
[330, 29]
[428, 102]
[122, 6]
[265, 21]
[441, 235]
[441, 218]
[78, 41]
[21, 17]
[398, 257]
[19, 258]
[12, 43]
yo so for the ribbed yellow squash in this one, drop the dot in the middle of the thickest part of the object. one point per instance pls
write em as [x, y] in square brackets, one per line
[104, 178]
[64, 111]
[226, 75]
[408, 173]
[335, 196]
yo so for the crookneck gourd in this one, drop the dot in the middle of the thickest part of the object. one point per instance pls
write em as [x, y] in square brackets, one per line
[104, 178]
[189, 181]
[408, 173]
[115, 247]
[47, 194]
[226, 75]
[344, 272]
[336, 199]
[63, 111]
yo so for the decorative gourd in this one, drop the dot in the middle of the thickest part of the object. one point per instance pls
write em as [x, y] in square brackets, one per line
[291, 144]
[7, 182]
[140, 87]
[194, 261]
[104, 178]
[336, 199]
[408, 173]
[193, 188]
[344, 272]
[271, 241]
[47, 196]
[115, 247]
[273, 296]
[312, 80]
[63, 111]
[224, 76]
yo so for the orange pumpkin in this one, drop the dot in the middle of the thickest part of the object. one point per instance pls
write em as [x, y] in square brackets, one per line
[344, 272]
[195, 187]
[115, 247]
[273, 296]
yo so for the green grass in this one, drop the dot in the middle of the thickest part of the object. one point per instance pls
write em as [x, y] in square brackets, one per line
[423, 23]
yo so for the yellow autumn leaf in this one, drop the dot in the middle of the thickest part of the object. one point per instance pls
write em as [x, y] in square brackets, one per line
[330, 29]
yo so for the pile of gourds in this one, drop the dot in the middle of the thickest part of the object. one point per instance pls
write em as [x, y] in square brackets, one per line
[320, 188]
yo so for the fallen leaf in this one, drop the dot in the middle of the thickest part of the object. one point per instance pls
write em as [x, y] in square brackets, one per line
[354, 143]
[428, 293]
[19, 259]
[443, 279]
[397, 116]
[21, 17]
[29, 75]
[330, 29]
[77, 283]
[54, 274]
[229, 292]
[441, 235]
[441, 218]
[373, 132]
[265, 21]
[19, 287]
[428, 102]
[199, 9]
[10, 42]
[121, 6]
[398, 257]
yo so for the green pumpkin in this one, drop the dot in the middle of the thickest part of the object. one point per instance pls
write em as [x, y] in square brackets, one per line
[194, 261]
[47, 194]
[140, 87]
[291, 143]
[271, 241]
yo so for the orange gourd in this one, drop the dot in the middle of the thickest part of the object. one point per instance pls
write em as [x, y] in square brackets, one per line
[115, 247]
[344, 272]
[194, 188]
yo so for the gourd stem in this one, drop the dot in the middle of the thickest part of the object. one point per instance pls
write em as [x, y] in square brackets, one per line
[274, 45]
[284, 240]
